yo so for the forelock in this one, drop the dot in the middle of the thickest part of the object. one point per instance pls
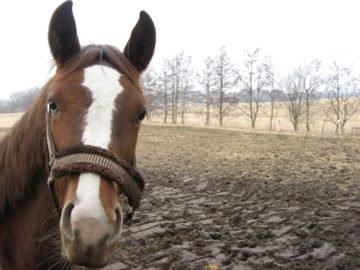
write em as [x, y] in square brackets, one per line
[100, 55]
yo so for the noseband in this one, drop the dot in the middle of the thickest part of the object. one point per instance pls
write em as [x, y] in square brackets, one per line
[87, 158]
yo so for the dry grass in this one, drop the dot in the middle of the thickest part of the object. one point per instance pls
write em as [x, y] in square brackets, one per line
[8, 119]
[237, 118]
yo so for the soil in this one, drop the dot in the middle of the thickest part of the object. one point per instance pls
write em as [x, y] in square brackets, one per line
[221, 199]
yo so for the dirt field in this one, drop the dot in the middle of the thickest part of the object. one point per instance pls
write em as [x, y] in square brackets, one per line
[244, 201]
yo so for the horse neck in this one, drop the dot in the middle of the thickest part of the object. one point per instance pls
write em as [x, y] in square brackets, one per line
[22, 157]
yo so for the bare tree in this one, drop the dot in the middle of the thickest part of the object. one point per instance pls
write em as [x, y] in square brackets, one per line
[310, 81]
[256, 76]
[295, 96]
[206, 80]
[149, 81]
[164, 81]
[272, 95]
[178, 68]
[184, 96]
[186, 85]
[275, 95]
[175, 67]
[342, 102]
[20, 101]
[225, 81]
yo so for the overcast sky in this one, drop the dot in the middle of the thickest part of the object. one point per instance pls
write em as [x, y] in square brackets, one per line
[290, 31]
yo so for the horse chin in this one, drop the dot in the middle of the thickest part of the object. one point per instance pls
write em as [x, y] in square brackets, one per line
[91, 264]
[91, 261]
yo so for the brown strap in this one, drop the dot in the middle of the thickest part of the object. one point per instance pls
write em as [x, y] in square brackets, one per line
[49, 138]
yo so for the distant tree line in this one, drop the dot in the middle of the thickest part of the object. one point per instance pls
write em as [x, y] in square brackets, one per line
[220, 84]
[19, 101]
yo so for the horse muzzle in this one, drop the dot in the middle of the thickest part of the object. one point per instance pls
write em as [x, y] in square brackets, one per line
[86, 240]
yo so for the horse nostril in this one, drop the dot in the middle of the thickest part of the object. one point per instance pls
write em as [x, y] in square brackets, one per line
[65, 222]
[118, 226]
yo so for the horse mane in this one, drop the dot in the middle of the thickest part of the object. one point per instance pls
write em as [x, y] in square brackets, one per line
[22, 156]
[22, 150]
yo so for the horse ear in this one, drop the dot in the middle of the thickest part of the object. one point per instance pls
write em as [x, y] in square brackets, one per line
[140, 47]
[63, 39]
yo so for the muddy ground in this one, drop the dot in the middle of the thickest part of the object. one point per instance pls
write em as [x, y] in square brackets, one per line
[244, 201]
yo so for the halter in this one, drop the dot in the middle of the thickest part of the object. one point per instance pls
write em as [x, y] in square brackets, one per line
[87, 158]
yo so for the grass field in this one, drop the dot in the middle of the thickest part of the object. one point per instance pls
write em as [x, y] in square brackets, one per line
[244, 200]
[8, 119]
[237, 118]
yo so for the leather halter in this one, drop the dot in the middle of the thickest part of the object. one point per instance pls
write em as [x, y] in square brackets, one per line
[86, 158]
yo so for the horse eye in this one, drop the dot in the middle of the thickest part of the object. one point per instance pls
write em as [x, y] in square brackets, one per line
[52, 106]
[142, 115]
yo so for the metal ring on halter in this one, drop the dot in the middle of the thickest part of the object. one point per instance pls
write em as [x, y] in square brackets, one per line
[129, 214]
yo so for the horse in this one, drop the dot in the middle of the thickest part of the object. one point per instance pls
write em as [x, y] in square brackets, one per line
[65, 165]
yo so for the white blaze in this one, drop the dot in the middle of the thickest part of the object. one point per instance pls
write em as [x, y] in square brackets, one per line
[103, 82]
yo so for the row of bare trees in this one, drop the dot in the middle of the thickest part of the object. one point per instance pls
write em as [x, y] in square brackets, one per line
[309, 92]
[168, 89]
[342, 96]
[19, 101]
[336, 92]
[221, 85]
